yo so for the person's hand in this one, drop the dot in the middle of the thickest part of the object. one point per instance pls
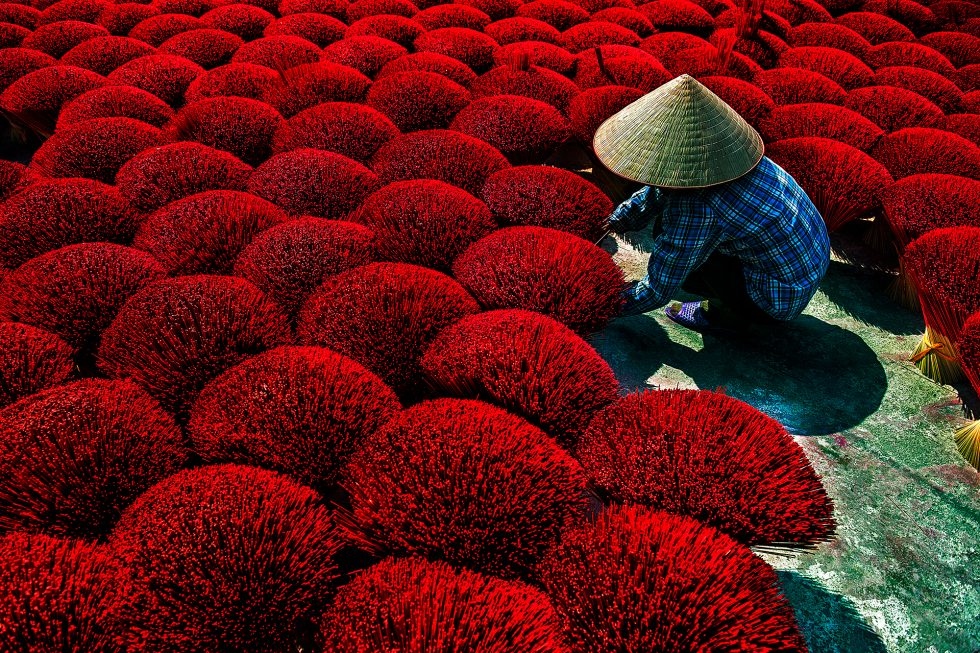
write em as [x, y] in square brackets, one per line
[625, 222]
[634, 213]
[628, 295]
[615, 224]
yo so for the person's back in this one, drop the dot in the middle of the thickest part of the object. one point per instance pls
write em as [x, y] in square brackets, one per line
[767, 221]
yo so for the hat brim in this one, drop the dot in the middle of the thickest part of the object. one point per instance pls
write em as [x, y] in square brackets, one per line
[680, 135]
[647, 182]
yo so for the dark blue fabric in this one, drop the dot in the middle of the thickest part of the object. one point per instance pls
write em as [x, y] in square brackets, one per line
[764, 219]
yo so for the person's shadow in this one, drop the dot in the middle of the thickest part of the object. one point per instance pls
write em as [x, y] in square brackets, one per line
[829, 622]
[864, 295]
[814, 377]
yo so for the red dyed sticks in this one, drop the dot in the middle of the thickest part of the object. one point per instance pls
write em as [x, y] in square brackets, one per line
[649, 581]
[204, 233]
[444, 155]
[821, 120]
[298, 410]
[843, 182]
[225, 557]
[290, 260]
[464, 482]
[384, 316]
[240, 126]
[522, 129]
[560, 275]
[919, 150]
[944, 264]
[415, 605]
[417, 100]
[177, 334]
[917, 204]
[425, 222]
[313, 182]
[94, 149]
[115, 102]
[161, 175]
[83, 452]
[53, 213]
[893, 108]
[76, 291]
[31, 360]
[57, 594]
[656, 448]
[544, 196]
[526, 363]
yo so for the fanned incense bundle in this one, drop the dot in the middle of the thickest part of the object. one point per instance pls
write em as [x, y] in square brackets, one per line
[416, 605]
[94, 149]
[103, 54]
[36, 97]
[843, 182]
[205, 233]
[465, 482]
[208, 48]
[334, 405]
[76, 586]
[175, 335]
[116, 102]
[525, 362]
[944, 265]
[31, 360]
[120, 441]
[76, 291]
[164, 75]
[416, 100]
[639, 580]
[161, 175]
[917, 204]
[52, 213]
[290, 260]
[238, 125]
[233, 79]
[656, 448]
[384, 315]
[225, 557]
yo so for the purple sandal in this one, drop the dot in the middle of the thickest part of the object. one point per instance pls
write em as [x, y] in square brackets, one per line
[691, 315]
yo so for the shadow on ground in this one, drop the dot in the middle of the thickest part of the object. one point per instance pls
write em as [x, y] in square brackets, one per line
[864, 295]
[830, 622]
[814, 377]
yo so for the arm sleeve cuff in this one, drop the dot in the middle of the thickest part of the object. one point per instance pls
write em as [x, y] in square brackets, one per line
[635, 213]
[640, 298]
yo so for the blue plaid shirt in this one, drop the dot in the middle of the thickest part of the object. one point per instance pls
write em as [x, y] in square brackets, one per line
[764, 219]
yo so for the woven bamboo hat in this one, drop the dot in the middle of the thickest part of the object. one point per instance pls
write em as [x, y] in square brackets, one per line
[680, 135]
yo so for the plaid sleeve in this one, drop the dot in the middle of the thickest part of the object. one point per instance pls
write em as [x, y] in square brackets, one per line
[686, 240]
[636, 212]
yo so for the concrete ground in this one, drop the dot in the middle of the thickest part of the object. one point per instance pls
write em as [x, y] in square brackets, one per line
[903, 573]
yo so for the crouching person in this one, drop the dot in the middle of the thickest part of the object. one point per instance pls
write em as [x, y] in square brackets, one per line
[731, 226]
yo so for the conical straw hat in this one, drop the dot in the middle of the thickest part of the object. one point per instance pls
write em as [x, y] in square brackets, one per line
[680, 135]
